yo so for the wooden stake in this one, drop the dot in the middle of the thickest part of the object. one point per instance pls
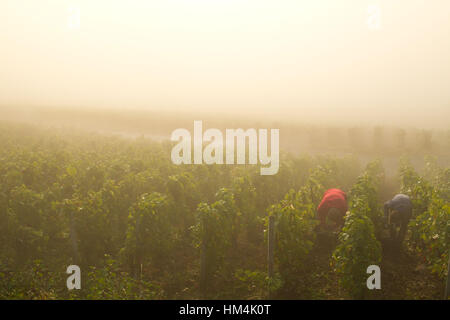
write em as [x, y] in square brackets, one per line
[447, 287]
[271, 248]
[74, 239]
[203, 263]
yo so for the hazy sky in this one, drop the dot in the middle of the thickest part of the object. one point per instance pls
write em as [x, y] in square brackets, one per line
[330, 58]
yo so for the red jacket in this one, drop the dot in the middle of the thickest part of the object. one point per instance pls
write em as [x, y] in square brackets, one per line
[332, 198]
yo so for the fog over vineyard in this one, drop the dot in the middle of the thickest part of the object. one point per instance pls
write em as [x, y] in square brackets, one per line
[91, 92]
[317, 61]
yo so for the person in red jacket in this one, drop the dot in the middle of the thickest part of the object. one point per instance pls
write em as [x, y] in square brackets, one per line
[332, 209]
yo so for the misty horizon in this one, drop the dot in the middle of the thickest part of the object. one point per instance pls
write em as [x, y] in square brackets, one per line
[314, 62]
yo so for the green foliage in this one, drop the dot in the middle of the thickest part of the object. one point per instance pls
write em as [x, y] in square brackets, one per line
[358, 246]
[431, 235]
[430, 229]
[245, 196]
[294, 224]
[25, 221]
[150, 236]
[366, 189]
[34, 281]
[256, 284]
[357, 249]
[416, 187]
[215, 232]
[183, 190]
[138, 225]
[111, 283]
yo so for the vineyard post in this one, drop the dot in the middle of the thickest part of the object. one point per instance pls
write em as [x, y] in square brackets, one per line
[74, 239]
[447, 287]
[203, 258]
[271, 247]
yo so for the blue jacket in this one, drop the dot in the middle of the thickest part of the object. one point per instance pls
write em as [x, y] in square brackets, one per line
[400, 203]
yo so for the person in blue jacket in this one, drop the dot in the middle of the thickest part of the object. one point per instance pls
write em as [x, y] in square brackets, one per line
[397, 213]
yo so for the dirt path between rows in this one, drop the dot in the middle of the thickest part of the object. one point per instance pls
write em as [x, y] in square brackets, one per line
[403, 277]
